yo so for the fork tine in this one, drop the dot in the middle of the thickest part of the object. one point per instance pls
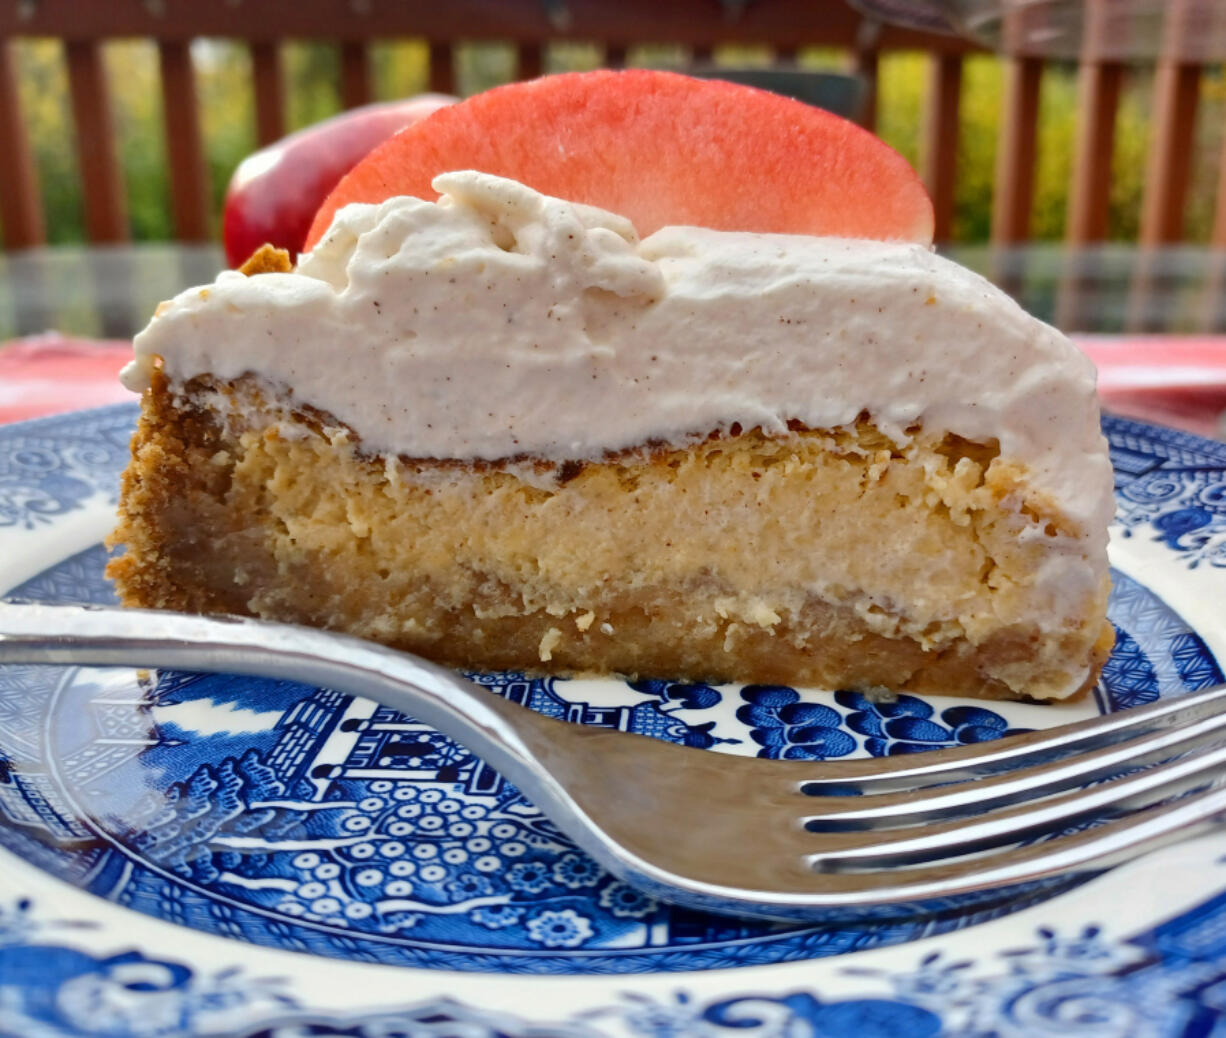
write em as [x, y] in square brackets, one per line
[965, 763]
[1089, 851]
[947, 802]
[1137, 791]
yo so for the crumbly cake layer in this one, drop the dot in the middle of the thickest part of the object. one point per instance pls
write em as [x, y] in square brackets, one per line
[743, 557]
[577, 338]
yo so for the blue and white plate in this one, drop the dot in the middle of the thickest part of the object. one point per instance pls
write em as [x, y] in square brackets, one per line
[186, 854]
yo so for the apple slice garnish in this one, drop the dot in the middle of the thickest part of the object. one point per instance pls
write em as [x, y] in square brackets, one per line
[659, 148]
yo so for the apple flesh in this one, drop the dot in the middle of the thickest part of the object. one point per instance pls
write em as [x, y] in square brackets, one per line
[275, 192]
[659, 148]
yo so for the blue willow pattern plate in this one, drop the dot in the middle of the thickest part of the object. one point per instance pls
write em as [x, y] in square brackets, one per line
[167, 840]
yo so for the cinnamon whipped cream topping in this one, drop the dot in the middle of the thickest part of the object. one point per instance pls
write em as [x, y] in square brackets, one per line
[500, 322]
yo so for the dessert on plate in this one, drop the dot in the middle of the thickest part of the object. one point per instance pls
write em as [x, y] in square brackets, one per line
[630, 373]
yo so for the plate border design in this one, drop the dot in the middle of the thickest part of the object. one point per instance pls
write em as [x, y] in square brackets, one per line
[1169, 978]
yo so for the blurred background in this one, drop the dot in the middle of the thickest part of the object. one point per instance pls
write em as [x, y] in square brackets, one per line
[1076, 163]
[401, 68]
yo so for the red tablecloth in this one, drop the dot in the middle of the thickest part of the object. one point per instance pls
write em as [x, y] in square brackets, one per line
[49, 373]
[1172, 380]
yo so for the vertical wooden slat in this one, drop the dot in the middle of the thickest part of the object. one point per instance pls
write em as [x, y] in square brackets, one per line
[615, 56]
[786, 55]
[1168, 168]
[698, 55]
[442, 68]
[21, 207]
[1016, 152]
[866, 67]
[269, 80]
[1098, 100]
[1176, 93]
[106, 217]
[530, 60]
[355, 74]
[189, 189]
[1214, 298]
[940, 152]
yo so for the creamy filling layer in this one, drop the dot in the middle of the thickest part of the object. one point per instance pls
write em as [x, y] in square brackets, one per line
[748, 537]
[500, 322]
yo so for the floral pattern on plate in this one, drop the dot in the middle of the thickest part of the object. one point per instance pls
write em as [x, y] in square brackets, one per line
[304, 819]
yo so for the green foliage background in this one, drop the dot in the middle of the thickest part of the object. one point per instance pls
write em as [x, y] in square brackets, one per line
[400, 67]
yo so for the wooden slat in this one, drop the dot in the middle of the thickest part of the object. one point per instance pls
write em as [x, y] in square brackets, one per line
[442, 68]
[1176, 93]
[615, 56]
[269, 81]
[1168, 168]
[356, 87]
[106, 216]
[1213, 300]
[701, 55]
[940, 152]
[1016, 152]
[530, 60]
[1098, 100]
[21, 207]
[189, 185]
[1213, 305]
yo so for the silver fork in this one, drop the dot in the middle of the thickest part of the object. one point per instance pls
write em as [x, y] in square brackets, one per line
[824, 841]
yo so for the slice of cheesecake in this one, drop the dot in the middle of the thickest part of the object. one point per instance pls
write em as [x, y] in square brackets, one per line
[501, 431]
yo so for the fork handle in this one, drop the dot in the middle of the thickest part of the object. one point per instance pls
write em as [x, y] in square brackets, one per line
[507, 736]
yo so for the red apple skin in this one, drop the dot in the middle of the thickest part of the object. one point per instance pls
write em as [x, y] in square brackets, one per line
[275, 192]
